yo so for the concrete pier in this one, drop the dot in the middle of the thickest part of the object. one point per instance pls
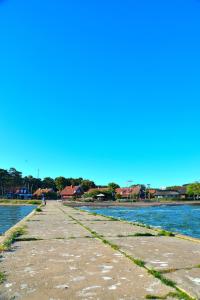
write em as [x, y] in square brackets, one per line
[68, 254]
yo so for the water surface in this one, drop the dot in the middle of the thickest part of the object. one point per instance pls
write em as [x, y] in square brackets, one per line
[10, 215]
[184, 219]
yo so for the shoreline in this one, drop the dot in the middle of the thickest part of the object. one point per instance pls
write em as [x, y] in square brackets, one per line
[15, 202]
[5, 235]
[128, 204]
[158, 229]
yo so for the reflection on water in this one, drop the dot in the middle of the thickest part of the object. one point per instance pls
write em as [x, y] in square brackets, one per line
[10, 215]
[184, 219]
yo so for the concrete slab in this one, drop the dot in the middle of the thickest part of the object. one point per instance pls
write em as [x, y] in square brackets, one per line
[188, 280]
[85, 216]
[117, 228]
[60, 229]
[161, 253]
[50, 224]
[74, 269]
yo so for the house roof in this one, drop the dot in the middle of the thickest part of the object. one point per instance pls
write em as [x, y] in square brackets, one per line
[166, 192]
[128, 191]
[22, 190]
[70, 190]
[152, 191]
[182, 190]
[40, 191]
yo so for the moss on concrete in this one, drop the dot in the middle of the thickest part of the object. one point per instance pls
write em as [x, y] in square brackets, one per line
[12, 237]
[2, 277]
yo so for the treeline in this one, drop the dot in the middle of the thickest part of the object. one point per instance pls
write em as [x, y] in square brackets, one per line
[11, 179]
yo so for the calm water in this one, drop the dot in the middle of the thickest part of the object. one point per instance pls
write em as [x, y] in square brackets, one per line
[10, 215]
[184, 219]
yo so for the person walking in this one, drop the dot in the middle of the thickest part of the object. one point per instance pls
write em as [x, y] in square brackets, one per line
[43, 199]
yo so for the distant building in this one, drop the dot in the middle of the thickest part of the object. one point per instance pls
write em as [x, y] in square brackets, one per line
[71, 191]
[183, 192]
[39, 192]
[129, 192]
[167, 194]
[151, 192]
[22, 193]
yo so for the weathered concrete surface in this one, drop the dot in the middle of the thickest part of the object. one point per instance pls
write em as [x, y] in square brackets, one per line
[61, 270]
[161, 253]
[85, 216]
[171, 254]
[128, 204]
[49, 227]
[188, 280]
[117, 228]
[61, 267]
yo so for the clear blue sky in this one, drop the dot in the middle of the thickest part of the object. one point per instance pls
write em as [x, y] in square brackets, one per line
[107, 90]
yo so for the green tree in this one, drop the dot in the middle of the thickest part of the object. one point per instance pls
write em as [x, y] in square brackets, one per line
[60, 183]
[74, 181]
[32, 183]
[118, 196]
[194, 190]
[113, 186]
[51, 195]
[108, 194]
[87, 184]
[4, 181]
[15, 178]
[174, 188]
[48, 182]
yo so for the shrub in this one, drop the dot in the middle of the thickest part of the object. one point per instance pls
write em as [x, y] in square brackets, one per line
[38, 209]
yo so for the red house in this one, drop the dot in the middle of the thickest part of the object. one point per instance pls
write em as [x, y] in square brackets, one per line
[71, 191]
[128, 192]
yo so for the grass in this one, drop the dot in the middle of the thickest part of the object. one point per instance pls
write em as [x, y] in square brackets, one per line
[111, 218]
[28, 239]
[155, 297]
[142, 234]
[198, 266]
[181, 296]
[163, 279]
[176, 295]
[113, 246]
[94, 214]
[165, 233]
[38, 209]
[11, 201]
[136, 261]
[2, 277]
[140, 225]
[35, 202]
[12, 238]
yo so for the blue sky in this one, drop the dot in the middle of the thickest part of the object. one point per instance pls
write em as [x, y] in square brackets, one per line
[106, 90]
